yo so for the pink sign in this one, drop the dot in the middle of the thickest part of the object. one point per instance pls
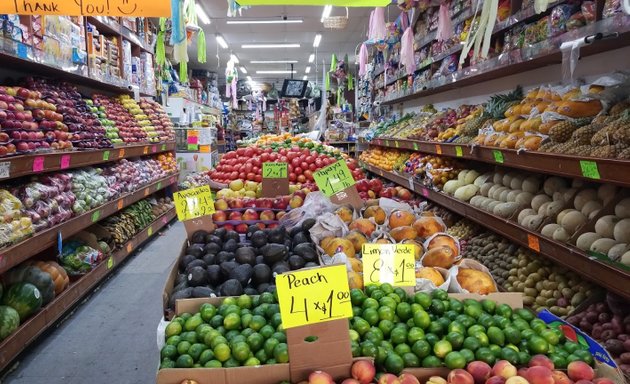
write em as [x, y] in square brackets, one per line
[154, 148]
[38, 164]
[425, 192]
[193, 140]
[65, 161]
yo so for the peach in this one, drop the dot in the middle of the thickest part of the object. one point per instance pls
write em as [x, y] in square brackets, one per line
[460, 376]
[320, 377]
[388, 378]
[357, 239]
[436, 380]
[522, 372]
[539, 375]
[560, 377]
[365, 226]
[603, 380]
[408, 378]
[351, 381]
[479, 370]
[496, 380]
[504, 369]
[363, 371]
[541, 360]
[375, 212]
[579, 370]
[516, 380]
[583, 382]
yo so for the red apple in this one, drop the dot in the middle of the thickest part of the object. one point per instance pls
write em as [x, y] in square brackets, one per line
[250, 214]
[219, 217]
[267, 214]
[235, 215]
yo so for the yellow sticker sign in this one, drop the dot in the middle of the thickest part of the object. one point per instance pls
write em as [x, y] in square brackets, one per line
[314, 296]
[389, 263]
[124, 8]
[193, 203]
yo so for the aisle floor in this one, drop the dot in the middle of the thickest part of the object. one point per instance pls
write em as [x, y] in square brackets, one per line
[110, 338]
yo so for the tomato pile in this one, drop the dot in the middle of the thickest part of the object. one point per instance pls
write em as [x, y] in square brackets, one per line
[246, 163]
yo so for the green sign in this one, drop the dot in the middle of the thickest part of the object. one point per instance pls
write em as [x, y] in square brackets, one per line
[498, 156]
[106, 156]
[458, 151]
[589, 169]
[275, 170]
[334, 178]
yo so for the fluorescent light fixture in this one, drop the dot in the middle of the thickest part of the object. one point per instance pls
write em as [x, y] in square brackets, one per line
[274, 72]
[311, 58]
[234, 58]
[307, 69]
[249, 78]
[305, 77]
[265, 21]
[244, 70]
[273, 61]
[222, 42]
[318, 39]
[326, 12]
[282, 45]
[201, 14]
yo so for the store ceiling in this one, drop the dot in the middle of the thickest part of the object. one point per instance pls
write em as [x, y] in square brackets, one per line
[340, 42]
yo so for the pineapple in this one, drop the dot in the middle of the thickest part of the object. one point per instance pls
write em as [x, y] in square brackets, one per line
[576, 149]
[604, 136]
[546, 147]
[562, 132]
[609, 151]
[583, 135]
[624, 155]
[494, 110]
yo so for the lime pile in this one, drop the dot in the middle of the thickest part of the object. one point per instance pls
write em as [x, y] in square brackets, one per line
[243, 331]
[433, 330]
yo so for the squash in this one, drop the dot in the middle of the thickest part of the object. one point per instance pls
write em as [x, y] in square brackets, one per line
[466, 192]
[57, 273]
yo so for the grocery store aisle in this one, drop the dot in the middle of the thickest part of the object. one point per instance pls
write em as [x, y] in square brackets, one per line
[111, 338]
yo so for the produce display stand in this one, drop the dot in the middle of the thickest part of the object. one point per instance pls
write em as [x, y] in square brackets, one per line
[604, 274]
[12, 256]
[28, 332]
[610, 170]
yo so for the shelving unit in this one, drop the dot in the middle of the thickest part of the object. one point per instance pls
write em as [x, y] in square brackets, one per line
[28, 332]
[602, 273]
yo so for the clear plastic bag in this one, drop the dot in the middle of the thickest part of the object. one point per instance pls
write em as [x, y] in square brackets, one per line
[78, 258]
[314, 206]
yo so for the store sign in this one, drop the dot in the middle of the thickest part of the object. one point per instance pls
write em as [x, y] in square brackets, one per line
[193, 203]
[336, 182]
[389, 263]
[275, 180]
[124, 8]
[313, 296]
[336, 3]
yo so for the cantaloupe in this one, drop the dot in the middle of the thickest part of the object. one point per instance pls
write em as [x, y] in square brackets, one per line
[606, 192]
[485, 205]
[539, 200]
[493, 189]
[625, 258]
[585, 240]
[617, 251]
[498, 177]
[542, 210]
[523, 214]
[531, 184]
[583, 197]
[525, 198]
[511, 197]
[554, 208]
[622, 231]
[483, 190]
[571, 221]
[476, 201]
[533, 222]
[497, 192]
[493, 204]
[504, 195]
[562, 213]
[451, 186]
[605, 226]
[554, 184]
[560, 234]
[622, 209]
[602, 245]
[516, 183]
[505, 209]
[568, 194]
[548, 229]
[507, 179]
[591, 206]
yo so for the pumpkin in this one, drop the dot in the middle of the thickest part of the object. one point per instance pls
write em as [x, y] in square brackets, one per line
[57, 273]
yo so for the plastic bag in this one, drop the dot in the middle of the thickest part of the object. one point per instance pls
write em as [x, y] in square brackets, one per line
[314, 206]
[426, 285]
[78, 258]
[327, 225]
[455, 286]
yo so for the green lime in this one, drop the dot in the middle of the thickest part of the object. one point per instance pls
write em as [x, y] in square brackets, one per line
[232, 334]
[520, 324]
[482, 337]
[472, 343]
[375, 335]
[368, 349]
[216, 341]
[184, 316]
[423, 299]
[213, 364]
[173, 328]
[402, 295]
[247, 331]
[421, 319]
[496, 336]
[196, 349]
[222, 352]
[173, 340]
[270, 345]
[485, 320]
[456, 339]
[184, 361]
[280, 336]
[468, 355]
[207, 311]
[559, 362]
[386, 326]
[456, 305]
[255, 341]
[465, 320]
[410, 360]
[244, 301]
[371, 316]
[355, 347]
[442, 348]
[527, 334]
[387, 345]
[377, 294]
[169, 351]
[246, 320]
[431, 362]
[504, 310]
[474, 329]
[227, 309]
[394, 363]
[267, 297]
[454, 360]
[267, 331]
[357, 297]
[437, 307]
[489, 306]
[538, 325]
[370, 303]
[414, 335]
[421, 348]
[398, 335]
[501, 322]
[232, 321]
[386, 313]
[584, 355]
[436, 327]
[251, 362]
[167, 363]
[439, 294]
[473, 310]
[485, 354]
[510, 355]
[386, 288]
[206, 356]
[451, 315]
[357, 312]
[537, 345]
[401, 349]
[550, 336]
[456, 326]
[360, 325]
[183, 347]
[496, 350]
[216, 321]
[281, 353]
[231, 363]
[432, 338]
[190, 337]
[571, 347]
[512, 335]
[240, 351]
[202, 329]
[525, 314]
[403, 310]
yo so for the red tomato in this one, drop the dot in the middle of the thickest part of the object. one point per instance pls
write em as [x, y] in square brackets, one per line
[308, 174]
[264, 157]
[273, 156]
[283, 152]
[309, 159]
[295, 162]
[351, 165]
[249, 152]
[297, 170]
[234, 175]
[312, 167]
[248, 168]
[240, 151]
[301, 179]
[268, 150]
[304, 165]
[258, 178]
[255, 170]
[292, 155]
[242, 175]
[290, 168]
[257, 163]
[292, 177]
[251, 176]
[283, 159]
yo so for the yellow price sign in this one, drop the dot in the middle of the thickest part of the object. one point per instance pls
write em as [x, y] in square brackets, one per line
[389, 263]
[193, 203]
[314, 296]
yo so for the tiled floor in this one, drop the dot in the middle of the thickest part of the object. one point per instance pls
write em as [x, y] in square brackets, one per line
[111, 337]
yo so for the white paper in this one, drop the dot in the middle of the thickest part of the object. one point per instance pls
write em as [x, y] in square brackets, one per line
[5, 169]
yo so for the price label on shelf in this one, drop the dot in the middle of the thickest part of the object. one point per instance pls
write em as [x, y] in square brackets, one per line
[314, 296]
[146, 192]
[411, 183]
[397, 144]
[96, 215]
[120, 204]
[458, 151]
[275, 170]
[22, 51]
[589, 169]
[334, 178]
[129, 247]
[145, 150]
[154, 149]
[438, 149]
[121, 153]
[425, 192]
[193, 203]
[389, 263]
[38, 164]
[533, 243]
[415, 146]
[159, 186]
[163, 147]
[150, 232]
[5, 169]
[65, 162]
[110, 262]
[498, 156]
[106, 156]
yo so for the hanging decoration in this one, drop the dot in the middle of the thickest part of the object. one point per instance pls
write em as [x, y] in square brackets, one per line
[201, 47]
[160, 49]
[363, 60]
[235, 8]
[445, 26]
[376, 29]
[231, 80]
[482, 34]
[407, 55]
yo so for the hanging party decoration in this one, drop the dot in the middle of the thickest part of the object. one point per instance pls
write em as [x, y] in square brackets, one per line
[231, 79]
[445, 26]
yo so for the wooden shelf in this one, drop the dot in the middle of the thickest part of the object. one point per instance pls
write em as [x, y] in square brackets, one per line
[23, 165]
[27, 248]
[28, 332]
[610, 170]
[600, 272]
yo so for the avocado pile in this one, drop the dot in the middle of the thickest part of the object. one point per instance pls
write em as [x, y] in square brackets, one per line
[220, 264]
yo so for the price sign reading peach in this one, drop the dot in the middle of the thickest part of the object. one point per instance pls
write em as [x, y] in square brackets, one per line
[193, 203]
[314, 296]
[389, 263]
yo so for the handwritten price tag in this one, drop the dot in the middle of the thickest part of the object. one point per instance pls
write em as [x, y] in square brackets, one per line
[193, 203]
[458, 151]
[5, 169]
[397, 144]
[159, 186]
[154, 149]
[38, 164]
[123, 8]
[95, 216]
[120, 204]
[163, 147]
[110, 262]
[129, 248]
[313, 296]
[150, 232]
[334, 178]
[415, 146]
[389, 263]
[65, 162]
[145, 150]
[146, 192]
[121, 152]
[425, 192]
[106, 156]
[533, 242]
[589, 169]
[498, 156]
[438, 149]
[275, 170]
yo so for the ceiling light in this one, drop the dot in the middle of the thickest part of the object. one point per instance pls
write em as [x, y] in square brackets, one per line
[201, 14]
[244, 70]
[318, 39]
[222, 42]
[273, 72]
[311, 58]
[283, 45]
[305, 77]
[249, 78]
[308, 69]
[266, 21]
[326, 13]
[234, 58]
[273, 61]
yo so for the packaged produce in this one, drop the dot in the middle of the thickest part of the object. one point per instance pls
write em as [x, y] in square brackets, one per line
[77, 258]
[14, 224]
